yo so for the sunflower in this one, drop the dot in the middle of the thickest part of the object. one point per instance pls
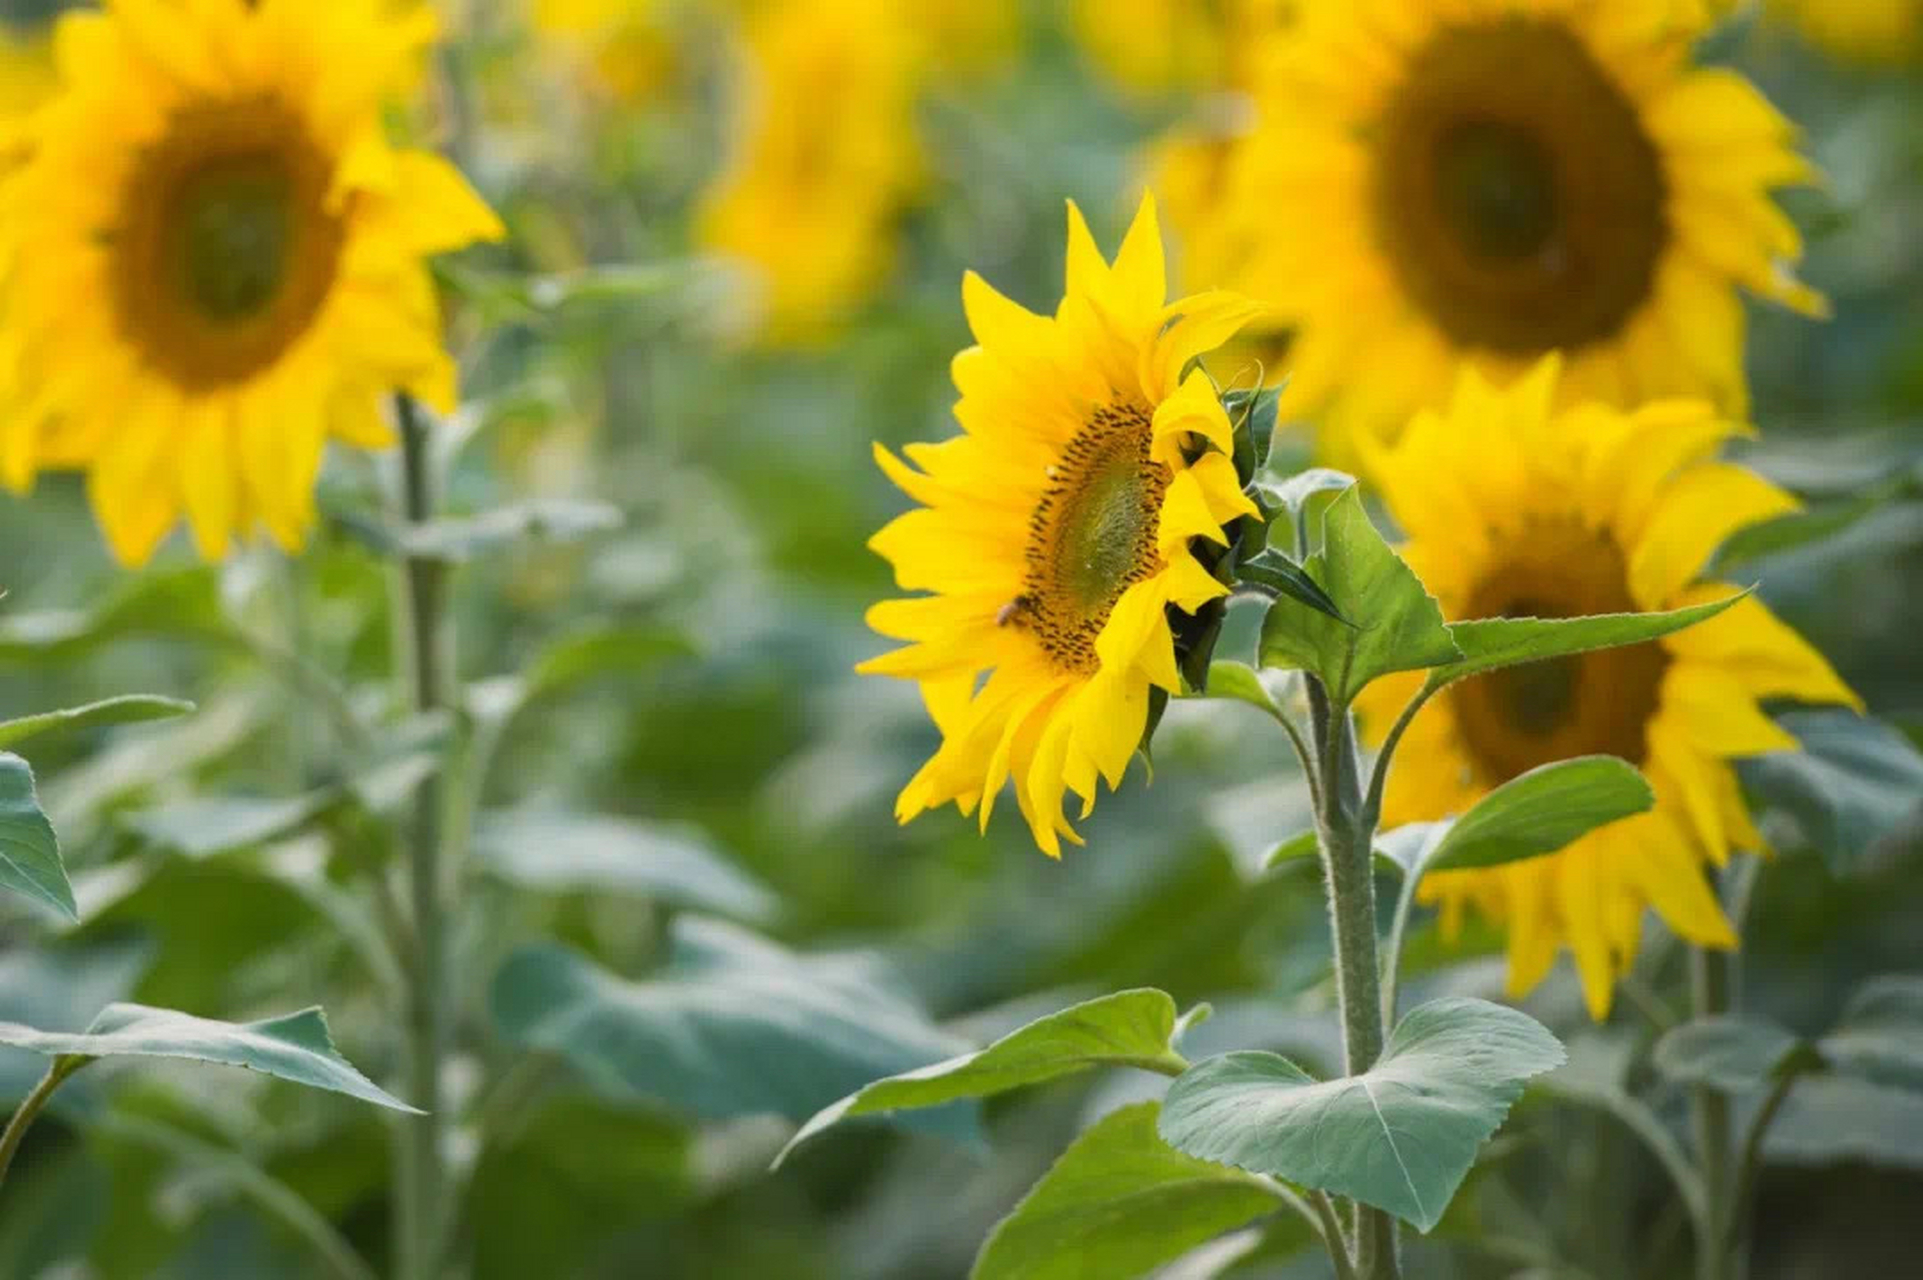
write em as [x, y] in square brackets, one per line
[215, 174]
[1515, 509]
[1057, 530]
[1496, 179]
[624, 45]
[1167, 46]
[825, 160]
[1874, 31]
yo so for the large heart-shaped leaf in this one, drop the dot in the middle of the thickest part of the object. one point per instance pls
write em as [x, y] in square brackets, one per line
[296, 1047]
[1128, 1029]
[1119, 1203]
[1541, 811]
[1400, 1136]
[735, 1026]
[1393, 623]
[1834, 1117]
[123, 710]
[558, 851]
[29, 853]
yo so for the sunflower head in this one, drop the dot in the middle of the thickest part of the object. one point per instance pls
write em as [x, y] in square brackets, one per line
[217, 175]
[1058, 534]
[1516, 509]
[1885, 32]
[1492, 181]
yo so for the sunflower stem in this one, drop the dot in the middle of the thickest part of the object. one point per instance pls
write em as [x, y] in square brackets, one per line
[419, 1188]
[1709, 992]
[33, 1104]
[1345, 834]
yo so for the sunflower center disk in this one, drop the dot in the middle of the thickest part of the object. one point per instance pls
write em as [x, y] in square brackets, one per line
[225, 252]
[1593, 703]
[1092, 534]
[1516, 194]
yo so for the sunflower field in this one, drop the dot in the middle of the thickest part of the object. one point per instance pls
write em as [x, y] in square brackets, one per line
[920, 639]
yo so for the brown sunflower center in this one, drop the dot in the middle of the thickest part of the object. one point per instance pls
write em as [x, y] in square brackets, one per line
[1593, 703]
[1517, 196]
[226, 250]
[1091, 535]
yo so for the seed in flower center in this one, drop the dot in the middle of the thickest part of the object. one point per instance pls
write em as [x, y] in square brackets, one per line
[1516, 194]
[1594, 703]
[225, 251]
[1092, 534]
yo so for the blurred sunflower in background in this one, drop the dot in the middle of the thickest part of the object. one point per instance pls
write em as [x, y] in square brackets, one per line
[1515, 509]
[1056, 531]
[825, 159]
[1494, 180]
[624, 46]
[1866, 31]
[217, 175]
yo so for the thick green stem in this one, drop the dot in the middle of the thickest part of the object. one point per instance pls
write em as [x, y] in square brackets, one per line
[420, 1187]
[1709, 990]
[33, 1104]
[1346, 833]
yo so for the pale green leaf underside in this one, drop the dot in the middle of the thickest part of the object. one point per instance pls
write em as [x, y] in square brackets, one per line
[1400, 1136]
[1734, 1052]
[296, 1047]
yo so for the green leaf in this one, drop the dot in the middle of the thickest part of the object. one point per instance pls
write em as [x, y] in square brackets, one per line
[1292, 493]
[1119, 1203]
[1400, 1136]
[735, 1026]
[180, 603]
[1397, 625]
[1732, 1052]
[201, 826]
[1282, 576]
[296, 1047]
[29, 852]
[1126, 1029]
[1489, 644]
[123, 710]
[460, 538]
[1239, 682]
[1855, 781]
[560, 852]
[1406, 848]
[1252, 413]
[1880, 1036]
[1541, 811]
[1298, 846]
[1814, 523]
[1834, 1117]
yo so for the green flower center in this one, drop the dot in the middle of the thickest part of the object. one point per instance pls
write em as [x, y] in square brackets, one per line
[226, 251]
[1092, 535]
[1594, 703]
[1516, 194]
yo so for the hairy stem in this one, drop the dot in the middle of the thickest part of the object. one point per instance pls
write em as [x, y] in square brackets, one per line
[420, 1188]
[33, 1104]
[1345, 833]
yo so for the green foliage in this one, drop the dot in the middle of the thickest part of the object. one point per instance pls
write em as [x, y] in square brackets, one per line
[29, 852]
[1855, 781]
[122, 710]
[295, 1047]
[1126, 1029]
[1397, 625]
[1730, 1051]
[1880, 1035]
[1400, 1136]
[1489, 644]
[1541, 811]
[735, 1026]
[555, 851]
[1119, 1203]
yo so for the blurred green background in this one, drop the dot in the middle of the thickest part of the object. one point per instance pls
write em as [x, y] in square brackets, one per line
[708, 698]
